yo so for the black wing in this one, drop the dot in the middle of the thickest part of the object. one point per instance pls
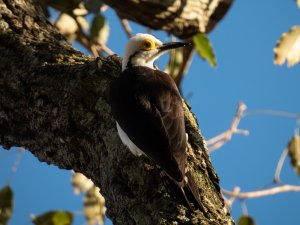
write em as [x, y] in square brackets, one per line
[147, 105]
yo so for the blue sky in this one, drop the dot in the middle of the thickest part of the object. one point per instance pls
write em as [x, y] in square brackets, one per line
[244, 43]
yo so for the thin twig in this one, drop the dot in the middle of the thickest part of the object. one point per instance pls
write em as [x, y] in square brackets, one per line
[94, 50]
[7, 154]
[230, 201]
[271, 113]
[189, 96]
[187, 60]
[86, 42]
[217, 138]
[279, 166]
[78, 213]
[297, 125]
[16, 164]
[217, 145]
[126, 27]
[262, 193]
[276, 113]
[218, 141]
[149, 30]
[178, 69]
[104, 8]
[83, 39]
[244, 208]
[107, 50]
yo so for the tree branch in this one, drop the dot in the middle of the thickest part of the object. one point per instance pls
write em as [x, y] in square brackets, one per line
[182, 18]
[221, 139]
[279, 166]
[53, 102]
[262, 193]
[126, 27]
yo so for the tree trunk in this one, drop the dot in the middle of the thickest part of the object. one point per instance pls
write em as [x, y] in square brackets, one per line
[53, 102]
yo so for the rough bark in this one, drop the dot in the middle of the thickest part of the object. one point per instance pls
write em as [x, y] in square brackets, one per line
[182, 18]
[53, 102]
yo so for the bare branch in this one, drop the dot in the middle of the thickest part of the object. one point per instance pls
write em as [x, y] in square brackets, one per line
[230, 201]
[16, 164]
[271, 113]
[105, 49]
[244, 208]
[126, 27]
[7, 154]
[262, 193]
[94, 50]
[279, 165]
[218, 141]
[297, 125]
[85, 41]
[187, 59]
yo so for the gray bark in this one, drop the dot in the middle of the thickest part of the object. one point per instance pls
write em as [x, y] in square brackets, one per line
[53, 102]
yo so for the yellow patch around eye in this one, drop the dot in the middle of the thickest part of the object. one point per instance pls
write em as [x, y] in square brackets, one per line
[147, 45]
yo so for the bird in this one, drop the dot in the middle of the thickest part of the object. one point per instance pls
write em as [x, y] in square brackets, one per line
[148, 110]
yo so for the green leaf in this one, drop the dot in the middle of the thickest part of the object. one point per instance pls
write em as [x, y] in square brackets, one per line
[99, 30]
[54, 218]
[246, 220]
[294, 152]
[204, 48]
[6, 205]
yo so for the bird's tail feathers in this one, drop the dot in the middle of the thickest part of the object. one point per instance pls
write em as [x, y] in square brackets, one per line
[191, 192]
[187, 193]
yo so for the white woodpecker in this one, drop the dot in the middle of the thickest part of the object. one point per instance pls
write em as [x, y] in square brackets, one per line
[147, 106]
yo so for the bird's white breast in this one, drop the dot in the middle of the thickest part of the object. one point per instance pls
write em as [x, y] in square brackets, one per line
[126, 141]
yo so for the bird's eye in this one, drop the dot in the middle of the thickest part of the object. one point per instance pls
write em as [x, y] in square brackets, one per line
[148, 45]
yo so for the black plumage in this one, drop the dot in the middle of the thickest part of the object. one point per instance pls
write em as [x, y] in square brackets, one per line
[147, 105]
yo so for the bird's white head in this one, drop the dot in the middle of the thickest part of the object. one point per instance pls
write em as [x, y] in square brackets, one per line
[144, 49]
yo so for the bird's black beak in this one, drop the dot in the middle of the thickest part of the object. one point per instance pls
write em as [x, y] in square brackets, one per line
[173, 45]
[168, 46]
